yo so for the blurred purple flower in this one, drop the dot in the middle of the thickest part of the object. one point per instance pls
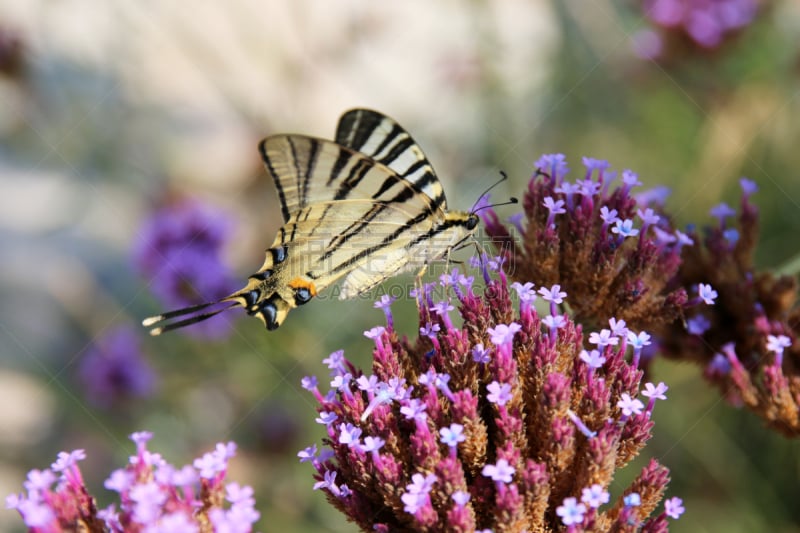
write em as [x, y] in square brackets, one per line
[707, 23]
[179, 249]
[114, 369]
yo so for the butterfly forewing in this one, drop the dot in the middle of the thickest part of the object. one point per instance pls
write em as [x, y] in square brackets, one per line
[363, 208]
[307, 171]
[384, 140]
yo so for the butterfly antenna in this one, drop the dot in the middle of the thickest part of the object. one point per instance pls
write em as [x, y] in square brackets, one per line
[512, 200]
[153, 320]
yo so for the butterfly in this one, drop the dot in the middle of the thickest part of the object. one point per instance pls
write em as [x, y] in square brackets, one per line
[361, 208]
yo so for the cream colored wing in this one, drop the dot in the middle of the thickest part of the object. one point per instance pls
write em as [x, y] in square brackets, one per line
[411, 251]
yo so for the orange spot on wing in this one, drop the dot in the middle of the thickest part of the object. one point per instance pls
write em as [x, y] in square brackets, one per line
[300, 283]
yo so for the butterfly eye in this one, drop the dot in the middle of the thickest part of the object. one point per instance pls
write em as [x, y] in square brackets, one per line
[278, 254]
[302, 295]
[472, 221]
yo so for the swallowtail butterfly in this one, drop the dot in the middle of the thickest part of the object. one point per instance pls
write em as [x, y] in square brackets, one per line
[363, 208]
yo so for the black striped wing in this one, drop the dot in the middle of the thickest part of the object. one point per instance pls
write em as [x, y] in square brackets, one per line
[384, 140]
[301, 178]
[349, 206]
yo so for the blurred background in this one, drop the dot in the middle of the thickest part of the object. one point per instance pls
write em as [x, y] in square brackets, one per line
[114, 116]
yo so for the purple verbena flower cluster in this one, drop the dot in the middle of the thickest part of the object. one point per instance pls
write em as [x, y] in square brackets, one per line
[502, 423]
[613, 251]
[179, 249]
[707, 23]
[154, 496]
[747, 342]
